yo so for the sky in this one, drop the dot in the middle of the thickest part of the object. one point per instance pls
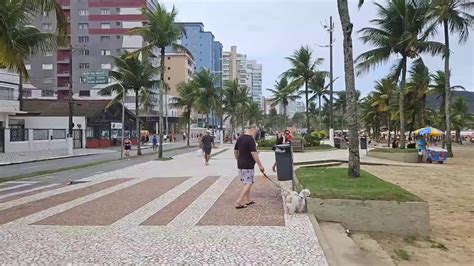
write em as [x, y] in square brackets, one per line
[270, 30]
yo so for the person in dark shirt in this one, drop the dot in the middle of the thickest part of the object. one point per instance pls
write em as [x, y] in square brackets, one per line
[245, 152]
[206, 144]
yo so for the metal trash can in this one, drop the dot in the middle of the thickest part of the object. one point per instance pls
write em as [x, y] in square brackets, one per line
[363, 143]
[284, 162]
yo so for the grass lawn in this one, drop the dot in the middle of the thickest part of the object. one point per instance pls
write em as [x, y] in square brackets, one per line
[322, 147]
[390, 150]
[333, 183]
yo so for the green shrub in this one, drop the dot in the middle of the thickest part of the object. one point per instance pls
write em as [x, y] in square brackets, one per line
[314, 138]
[266, 142]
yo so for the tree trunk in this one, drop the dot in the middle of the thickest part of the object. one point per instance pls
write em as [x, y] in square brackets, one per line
[319, 111]
[307, 106]
[20, 89]
[423, 105]
[447, 91]
[137, 121]
[188, 133]
[401, 102]
[388, 127]
[284, 114]
[162, 85]
[354, 159]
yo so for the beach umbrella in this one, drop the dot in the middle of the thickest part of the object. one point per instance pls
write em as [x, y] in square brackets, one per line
[431, 131]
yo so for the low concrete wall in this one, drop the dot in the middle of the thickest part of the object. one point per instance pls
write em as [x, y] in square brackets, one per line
[406, 157]
[401, 218]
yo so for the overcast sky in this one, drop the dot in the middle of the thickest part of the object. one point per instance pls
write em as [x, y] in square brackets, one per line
[270, 30]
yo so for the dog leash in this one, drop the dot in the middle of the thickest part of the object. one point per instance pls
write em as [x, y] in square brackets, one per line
[274, 183]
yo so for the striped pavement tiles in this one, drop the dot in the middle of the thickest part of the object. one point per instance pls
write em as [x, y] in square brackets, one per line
[42, 187]
[24, 210]
[113, 206]
[16, 186]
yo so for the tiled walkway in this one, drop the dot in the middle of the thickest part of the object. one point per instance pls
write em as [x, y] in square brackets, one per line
[177, 211]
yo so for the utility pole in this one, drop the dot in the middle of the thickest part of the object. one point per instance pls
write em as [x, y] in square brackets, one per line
[70, 102]
[331, 77]
[123, 121]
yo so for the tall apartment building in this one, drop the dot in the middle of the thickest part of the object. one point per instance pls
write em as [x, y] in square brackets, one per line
[247, 72]
[98, 30]
[254, 72]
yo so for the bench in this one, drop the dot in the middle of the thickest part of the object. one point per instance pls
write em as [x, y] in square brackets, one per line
[297, 145]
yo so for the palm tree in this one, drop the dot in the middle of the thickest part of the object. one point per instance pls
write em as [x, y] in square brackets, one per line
[459, 109]
[418, 89]
[282, 94]
[19, 40]
[401, 29]
[186, 100]
[160, 31]
[253, 113]
[354, 158]
[320, 90]
[302, 70]
[438, 87]
[384, 89]
[207, 95]
[451, 15]
[234, 94]
[132, 75]
[370, 115]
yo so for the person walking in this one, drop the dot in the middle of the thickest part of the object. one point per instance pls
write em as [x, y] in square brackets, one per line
[127, 145]
[245, 152]
[154, 141]
[279, 140]
[206, 144]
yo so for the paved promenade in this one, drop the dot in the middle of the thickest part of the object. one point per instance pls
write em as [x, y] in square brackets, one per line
[176, 211]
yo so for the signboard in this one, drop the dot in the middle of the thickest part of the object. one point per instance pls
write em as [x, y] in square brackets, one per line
[114, 125]
[96, 77]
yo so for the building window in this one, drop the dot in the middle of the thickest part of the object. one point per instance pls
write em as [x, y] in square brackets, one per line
[105, 11]
[117, 37]
[83, 39]
[28, 67]
[47, 66]
[106, 66]
[83, 26]
[47, 93]
[84, 52]
[104, 38]
[84, 65]
[46, 26]
[48, 53]
[117, 10]
[83, 12]
[48, 80]
[85, 93]
[6, 93]
[105, 52]
[105, 25]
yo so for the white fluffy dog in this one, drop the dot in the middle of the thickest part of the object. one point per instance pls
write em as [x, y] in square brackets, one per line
[295, 202]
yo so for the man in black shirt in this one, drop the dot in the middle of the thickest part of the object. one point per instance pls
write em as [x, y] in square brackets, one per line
[245, 152]
[206, 145]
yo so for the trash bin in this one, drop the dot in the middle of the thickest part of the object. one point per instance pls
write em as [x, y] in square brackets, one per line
[363, 143]
[284, 162]
[337, 143]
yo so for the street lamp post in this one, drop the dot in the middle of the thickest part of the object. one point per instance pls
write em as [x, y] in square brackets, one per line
[123, 121]
[70, 94]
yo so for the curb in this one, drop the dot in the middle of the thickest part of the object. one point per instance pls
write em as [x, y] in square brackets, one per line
[323, 242]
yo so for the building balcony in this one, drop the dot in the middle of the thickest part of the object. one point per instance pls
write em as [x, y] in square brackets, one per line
[64, 74]
[65, 60]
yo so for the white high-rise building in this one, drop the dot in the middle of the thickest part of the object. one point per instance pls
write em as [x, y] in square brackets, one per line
[254, 72]
[247, 72]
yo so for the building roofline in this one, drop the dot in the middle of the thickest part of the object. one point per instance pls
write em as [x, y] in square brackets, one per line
[191, 23]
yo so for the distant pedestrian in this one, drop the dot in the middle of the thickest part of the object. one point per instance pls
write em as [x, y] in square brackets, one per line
[127, 145]
[245, 152]
[206, 144]
[184, 136]
[154, 140]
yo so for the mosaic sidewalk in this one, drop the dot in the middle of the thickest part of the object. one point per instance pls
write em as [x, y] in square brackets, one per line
[177, 211]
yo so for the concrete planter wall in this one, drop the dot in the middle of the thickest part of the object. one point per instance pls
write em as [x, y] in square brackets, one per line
[401, 218]
[405, 157]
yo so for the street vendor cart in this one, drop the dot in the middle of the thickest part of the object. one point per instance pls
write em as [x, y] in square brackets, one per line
[426, 150]
[435, 154]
